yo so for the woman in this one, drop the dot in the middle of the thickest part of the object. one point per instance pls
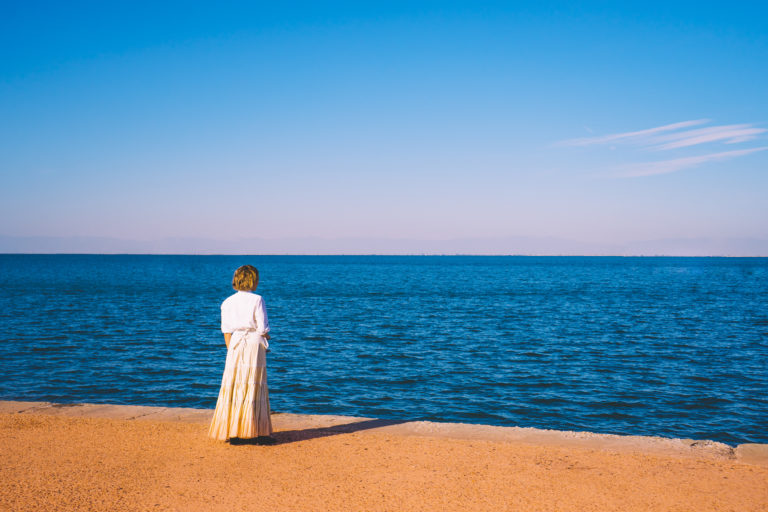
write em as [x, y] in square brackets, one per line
[242, 410]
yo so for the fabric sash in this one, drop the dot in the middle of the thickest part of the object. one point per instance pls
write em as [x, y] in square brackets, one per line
[243, 335]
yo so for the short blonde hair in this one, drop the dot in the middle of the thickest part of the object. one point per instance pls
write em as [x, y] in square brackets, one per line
[246, 278]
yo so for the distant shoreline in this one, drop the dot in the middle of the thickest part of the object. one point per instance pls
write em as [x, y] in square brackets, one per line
[300, 255]
[365, 246]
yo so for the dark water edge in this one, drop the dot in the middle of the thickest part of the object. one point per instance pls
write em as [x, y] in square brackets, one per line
[649, 346]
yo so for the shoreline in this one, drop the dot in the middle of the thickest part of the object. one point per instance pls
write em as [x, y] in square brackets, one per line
[127, 458]
[292, 425]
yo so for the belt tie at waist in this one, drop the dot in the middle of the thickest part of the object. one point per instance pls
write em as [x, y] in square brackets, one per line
[240, 335]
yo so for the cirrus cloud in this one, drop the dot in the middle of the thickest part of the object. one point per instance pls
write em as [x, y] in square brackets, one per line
[637, 137]
[681, 136]
[678, 164]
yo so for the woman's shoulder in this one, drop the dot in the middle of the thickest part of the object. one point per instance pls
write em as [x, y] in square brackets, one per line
[229, 300]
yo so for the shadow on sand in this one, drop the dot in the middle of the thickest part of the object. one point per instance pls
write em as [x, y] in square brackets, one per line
[292, 436]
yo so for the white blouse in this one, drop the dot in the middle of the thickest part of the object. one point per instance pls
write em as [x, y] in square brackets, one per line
[244, 310]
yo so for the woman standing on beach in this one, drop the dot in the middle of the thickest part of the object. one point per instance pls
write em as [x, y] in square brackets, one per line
[242, 410]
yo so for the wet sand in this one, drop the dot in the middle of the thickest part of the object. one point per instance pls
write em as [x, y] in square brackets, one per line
[133, 458]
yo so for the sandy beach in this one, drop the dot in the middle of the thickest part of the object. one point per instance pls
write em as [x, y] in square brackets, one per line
[100, 457]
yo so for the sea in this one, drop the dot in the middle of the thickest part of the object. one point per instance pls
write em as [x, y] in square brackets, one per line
[662, 346]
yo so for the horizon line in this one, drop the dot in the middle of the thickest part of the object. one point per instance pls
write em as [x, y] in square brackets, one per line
[482, 255]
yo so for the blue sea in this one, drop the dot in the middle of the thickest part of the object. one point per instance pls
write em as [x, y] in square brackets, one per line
[675, 347]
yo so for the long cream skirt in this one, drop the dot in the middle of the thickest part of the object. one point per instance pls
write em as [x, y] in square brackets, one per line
[242, 410]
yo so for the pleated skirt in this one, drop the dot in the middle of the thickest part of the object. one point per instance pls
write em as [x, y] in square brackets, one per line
[242, 409]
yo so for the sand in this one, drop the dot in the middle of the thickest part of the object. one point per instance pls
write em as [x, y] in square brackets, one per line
[62, 458]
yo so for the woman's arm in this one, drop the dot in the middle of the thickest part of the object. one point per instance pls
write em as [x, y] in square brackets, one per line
[227, 337]
[260, 315]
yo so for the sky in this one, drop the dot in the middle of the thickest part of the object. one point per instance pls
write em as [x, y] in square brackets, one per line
[598, 123]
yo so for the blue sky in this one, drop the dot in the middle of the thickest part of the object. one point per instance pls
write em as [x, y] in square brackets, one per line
[609, 122]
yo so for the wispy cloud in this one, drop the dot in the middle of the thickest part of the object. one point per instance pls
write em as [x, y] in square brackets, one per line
[729, 134]
[678, 164]
[660, 138]
[631, 136]
[684, 136]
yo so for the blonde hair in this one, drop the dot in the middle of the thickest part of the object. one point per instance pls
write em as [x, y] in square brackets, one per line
[246, 278]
